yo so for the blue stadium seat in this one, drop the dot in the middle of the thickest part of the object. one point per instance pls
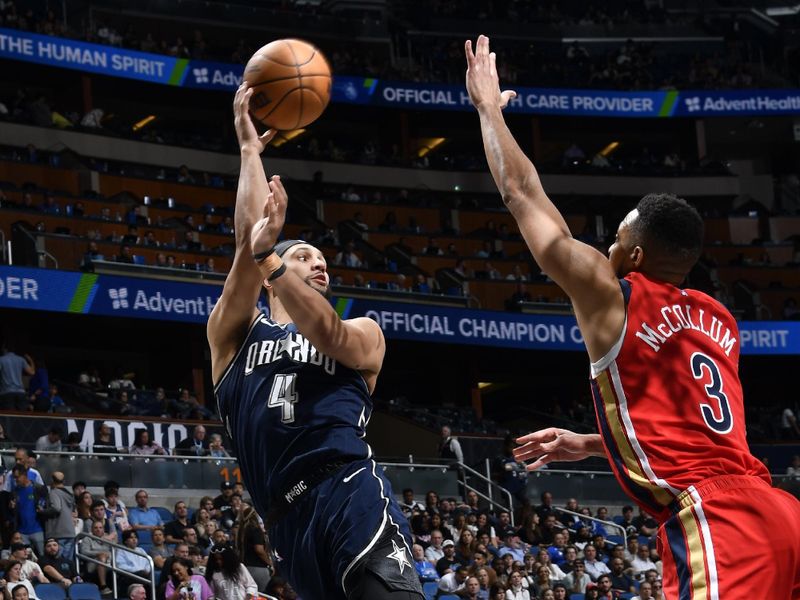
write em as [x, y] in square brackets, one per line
[615, 539]
[627, 596]
[429, 589]
[576, 597]
[145, 537]
[165, 514]
[138, 259]
[84, 591]
[449, 597]
[50, 591]
[617, 519]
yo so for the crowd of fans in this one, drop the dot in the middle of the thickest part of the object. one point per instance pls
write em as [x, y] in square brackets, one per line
[437, 58]
[217, 547]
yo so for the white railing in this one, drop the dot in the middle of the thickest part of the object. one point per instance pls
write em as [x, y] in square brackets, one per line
[113, 566]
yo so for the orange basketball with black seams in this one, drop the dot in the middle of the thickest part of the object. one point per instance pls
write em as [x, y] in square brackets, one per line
[291, 81]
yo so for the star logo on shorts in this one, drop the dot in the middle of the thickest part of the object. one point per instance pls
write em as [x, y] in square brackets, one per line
[399, 554]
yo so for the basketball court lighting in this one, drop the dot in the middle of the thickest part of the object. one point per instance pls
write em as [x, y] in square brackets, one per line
[146, 121]
[609, 149]
[429, 145]
[286, 136]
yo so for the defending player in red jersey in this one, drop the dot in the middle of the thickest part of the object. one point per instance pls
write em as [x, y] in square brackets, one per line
[664, 377]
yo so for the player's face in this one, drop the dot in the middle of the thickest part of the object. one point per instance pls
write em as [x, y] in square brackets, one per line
[310, 265]
[619, 254]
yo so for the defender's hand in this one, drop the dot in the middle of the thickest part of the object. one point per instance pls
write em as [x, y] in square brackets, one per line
[266, 231]
[552, 445]
[483, 84]
[245, 128]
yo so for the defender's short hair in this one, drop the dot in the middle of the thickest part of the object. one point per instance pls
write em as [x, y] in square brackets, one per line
[671, 226]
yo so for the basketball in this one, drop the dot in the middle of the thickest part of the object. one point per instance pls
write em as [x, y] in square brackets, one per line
[291, 82]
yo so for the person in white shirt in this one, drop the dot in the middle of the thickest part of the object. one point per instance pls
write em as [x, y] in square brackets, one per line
[227, 575]
[642, 562]
[515, 590]
[453, 581]
[134, 560]
[594, 567]
[435, 551]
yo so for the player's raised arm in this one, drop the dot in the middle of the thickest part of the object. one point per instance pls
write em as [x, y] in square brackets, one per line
[557, 445]
[582, 272]
[236, 308]
[356, 343]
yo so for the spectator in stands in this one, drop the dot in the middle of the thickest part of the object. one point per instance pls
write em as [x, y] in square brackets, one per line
[447, 562]
[136, 591]
[39, 386]
[125, 255]
[51, 441]
[158, 549]
[83, 506]
[57, 404]
[620, 581]
[594, 566]
[14, 581]
[546, 507]
[99, 514]
[347, 257]
[57, 567]
[60, 525]
[133, 559]
[251, 545]
[197, 445]
[642, 563]
[31, 499]
[173, 530]
[144, 446]
[793, 470]
[142, 517]
[12, 368]
[228, 577]
[29, 568]
[425, 568]
[559, 591]
[408, 505]
[205, 526]
[433, 248]
[515, 590]
[645, 591]
[577, 580]
[543, 558]
[454, 581]
[450, 447]
[434, 552]
[104, 444]
[790, 429]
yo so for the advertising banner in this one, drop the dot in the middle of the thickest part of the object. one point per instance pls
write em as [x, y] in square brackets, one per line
[168, 70]
[109, 295]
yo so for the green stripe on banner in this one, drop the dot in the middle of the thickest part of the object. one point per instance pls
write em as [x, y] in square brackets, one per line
[668, 107]
[82, 292]
[343, 306]
[178, 71]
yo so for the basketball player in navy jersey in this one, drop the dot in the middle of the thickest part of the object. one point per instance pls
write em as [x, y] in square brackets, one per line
[293, 389]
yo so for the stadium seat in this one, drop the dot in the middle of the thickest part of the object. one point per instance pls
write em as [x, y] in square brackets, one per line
[576, 597]
[84, 591]
[615, 539]
[145, 537]
[429, 589]
[165, 514]
[50, 591]
[449, 597]
[617, 519]
[627, 596]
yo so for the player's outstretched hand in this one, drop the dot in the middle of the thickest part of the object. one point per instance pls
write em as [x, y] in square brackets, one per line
[245, 128]
[483, 83]
[265, 233]
[554, 445]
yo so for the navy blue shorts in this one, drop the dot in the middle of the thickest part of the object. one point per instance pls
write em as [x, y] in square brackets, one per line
[348, 523]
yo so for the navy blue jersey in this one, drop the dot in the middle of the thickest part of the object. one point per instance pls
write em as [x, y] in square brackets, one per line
[289, 409]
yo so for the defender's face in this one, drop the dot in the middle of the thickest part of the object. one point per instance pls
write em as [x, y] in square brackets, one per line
[620, 251]
[310, 265]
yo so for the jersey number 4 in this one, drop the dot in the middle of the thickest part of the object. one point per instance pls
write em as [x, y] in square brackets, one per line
[703, 366]
[283, 396]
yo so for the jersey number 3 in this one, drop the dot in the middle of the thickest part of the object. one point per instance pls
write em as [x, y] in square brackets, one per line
[283, 396]
[702, 366]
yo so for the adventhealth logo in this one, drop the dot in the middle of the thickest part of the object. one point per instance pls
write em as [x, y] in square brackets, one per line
[692, 104]
[119, 298]
[200, 75]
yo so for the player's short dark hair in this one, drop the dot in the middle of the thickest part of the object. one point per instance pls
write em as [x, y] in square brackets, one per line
[670, 226]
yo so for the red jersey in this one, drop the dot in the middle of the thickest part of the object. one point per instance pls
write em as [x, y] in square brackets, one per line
[668, 397]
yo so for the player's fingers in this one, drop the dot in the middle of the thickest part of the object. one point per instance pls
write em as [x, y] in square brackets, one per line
[276, 185]
[493, 63]
[526, 453]
[539, 463]
[483, 47]
[268, 204]
[538, 436]
[468, 51]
